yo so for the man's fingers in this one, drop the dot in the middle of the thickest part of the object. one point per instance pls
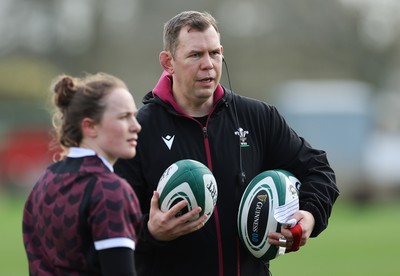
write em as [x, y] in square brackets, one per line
[154, 202]
[181, 211]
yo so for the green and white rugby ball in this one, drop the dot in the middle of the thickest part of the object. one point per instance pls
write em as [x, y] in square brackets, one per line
[257, 210]
[189, 180]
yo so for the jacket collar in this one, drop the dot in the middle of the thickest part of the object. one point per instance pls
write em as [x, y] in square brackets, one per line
[163, 90]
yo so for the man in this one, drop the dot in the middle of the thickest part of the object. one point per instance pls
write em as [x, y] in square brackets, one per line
[190, 115]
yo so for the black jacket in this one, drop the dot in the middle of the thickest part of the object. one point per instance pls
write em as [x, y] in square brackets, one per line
[268, 143]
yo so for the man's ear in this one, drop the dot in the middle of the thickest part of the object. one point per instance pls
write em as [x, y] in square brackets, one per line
[166, 61]
[88, 128]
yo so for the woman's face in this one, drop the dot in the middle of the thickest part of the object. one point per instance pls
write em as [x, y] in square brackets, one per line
[117, 132]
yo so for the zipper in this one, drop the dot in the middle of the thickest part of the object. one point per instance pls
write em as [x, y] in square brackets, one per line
[205, 133]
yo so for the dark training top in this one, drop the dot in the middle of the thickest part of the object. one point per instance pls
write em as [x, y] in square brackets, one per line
[254, 133]
[78, 207]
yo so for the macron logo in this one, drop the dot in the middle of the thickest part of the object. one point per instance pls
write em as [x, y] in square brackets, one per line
[168, 140]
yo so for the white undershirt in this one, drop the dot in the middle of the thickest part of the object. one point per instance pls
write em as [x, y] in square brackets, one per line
[75, 152]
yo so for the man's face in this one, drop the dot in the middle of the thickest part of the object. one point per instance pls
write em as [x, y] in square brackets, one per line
[197, 64]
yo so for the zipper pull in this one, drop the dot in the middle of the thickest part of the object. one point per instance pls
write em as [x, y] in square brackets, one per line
[205, 133]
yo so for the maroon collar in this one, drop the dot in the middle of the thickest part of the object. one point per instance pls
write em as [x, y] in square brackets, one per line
[163, 90]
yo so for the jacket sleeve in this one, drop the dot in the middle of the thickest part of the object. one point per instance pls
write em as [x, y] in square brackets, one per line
[130, 169]
[318, 190]
[117, 261]
[289, 151]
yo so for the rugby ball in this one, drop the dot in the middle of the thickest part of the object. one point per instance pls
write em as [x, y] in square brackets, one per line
[188, 180]
[270, 198]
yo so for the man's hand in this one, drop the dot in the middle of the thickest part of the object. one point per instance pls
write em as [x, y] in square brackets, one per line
[306, 221]
[166, 226]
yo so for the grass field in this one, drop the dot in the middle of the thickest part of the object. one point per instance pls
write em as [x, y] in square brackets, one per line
[12, 255]
[360, 240]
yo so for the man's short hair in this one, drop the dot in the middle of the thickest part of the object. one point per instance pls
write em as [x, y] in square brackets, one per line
[194, 20]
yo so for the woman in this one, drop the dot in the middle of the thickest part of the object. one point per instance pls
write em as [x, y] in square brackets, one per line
[81, 218]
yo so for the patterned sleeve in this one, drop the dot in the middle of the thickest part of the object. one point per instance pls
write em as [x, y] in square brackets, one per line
[115, 215]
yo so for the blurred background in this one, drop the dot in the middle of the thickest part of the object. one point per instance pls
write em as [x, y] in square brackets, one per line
[331, 67]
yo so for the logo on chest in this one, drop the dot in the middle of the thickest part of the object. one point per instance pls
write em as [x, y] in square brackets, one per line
[242, 135]
[168, 140]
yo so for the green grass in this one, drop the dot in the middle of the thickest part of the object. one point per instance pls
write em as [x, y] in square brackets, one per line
[360, 240]
[12, 255]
